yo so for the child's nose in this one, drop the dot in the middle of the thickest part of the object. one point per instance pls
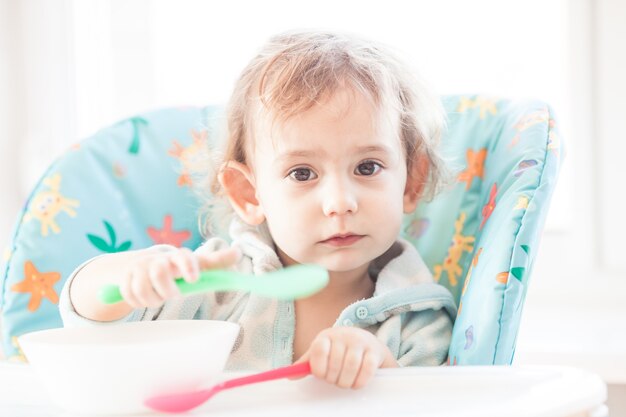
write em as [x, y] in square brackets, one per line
[338, 199]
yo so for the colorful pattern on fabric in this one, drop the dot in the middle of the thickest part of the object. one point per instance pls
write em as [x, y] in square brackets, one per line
[115, 191]
[108, 244]
[47, 204]
[507, 155]
[38, 284]
[189, 156]
[490, 206]
[475, 167]
[460, 244]
[167, 235]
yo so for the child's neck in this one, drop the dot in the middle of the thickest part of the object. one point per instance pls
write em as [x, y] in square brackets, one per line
[345, 287]
[321, 310]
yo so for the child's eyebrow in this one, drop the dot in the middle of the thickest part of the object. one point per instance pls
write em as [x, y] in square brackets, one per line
[296, 154]
[303, 153]
[374, 148]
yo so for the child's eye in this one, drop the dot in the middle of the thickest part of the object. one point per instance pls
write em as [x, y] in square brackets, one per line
[302, 174]
[368, 168]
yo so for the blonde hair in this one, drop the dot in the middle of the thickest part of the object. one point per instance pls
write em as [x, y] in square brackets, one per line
[296, 70]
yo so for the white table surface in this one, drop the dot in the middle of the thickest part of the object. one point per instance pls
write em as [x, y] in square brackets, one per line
[527, 391]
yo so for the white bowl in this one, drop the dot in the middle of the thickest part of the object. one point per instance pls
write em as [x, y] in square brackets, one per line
[113, 369]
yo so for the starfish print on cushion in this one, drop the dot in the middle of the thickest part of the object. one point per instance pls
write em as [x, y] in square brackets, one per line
[38, 284]
[167, 235]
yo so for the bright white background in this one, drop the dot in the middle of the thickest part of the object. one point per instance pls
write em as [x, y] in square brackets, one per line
[69, 67]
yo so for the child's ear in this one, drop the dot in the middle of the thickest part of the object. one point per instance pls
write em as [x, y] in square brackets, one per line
[239, 184]
[415, 183]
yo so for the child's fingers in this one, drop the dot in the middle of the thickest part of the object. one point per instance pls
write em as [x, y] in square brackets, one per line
[127, 293]
[318, 355]
[350, 369]
[369, 365]
[141, 287]
[335, 361]
[160, 273]
[220, 259]
[186, 264]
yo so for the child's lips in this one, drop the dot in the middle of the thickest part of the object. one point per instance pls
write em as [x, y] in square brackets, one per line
[342, 240]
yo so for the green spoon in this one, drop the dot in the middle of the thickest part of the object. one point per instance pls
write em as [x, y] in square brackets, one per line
[289, 283]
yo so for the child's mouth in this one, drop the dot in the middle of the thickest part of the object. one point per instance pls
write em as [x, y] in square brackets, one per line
[342, 240]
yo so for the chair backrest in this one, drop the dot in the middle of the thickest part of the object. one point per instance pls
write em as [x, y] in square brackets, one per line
[480, 238]
[128, 187]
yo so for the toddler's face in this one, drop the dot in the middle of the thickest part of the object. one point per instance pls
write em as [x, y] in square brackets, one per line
[331, 184]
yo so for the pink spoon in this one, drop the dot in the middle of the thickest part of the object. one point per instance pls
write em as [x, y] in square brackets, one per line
[176, 403]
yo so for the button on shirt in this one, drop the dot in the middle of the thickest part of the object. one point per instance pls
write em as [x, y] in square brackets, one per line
[361, 312]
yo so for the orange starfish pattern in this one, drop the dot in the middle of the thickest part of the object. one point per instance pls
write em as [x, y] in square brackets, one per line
[167, 235]
[490, 206]
[475, 166]
[39, 284]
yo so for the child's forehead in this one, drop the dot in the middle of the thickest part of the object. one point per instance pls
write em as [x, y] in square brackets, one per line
[346, 114]
[332, 132]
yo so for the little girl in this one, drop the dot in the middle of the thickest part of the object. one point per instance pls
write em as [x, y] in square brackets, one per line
[330, 140]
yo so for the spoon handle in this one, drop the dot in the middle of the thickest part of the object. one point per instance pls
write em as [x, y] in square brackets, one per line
[288, 283]
[299, 369]
[210, 279]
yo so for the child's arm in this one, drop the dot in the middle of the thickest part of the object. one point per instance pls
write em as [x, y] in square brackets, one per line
[146, 278]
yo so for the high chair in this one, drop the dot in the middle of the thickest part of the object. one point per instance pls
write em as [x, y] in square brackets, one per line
[129, 186]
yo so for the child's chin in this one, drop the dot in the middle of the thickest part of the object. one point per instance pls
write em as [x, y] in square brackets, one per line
[344, 264]
[340, 261]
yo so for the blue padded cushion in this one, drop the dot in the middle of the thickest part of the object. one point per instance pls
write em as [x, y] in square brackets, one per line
[480, 238]
[126, 187]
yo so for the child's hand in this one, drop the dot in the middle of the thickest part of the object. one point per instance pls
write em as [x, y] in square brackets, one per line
[347, 356]
[150, 281]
